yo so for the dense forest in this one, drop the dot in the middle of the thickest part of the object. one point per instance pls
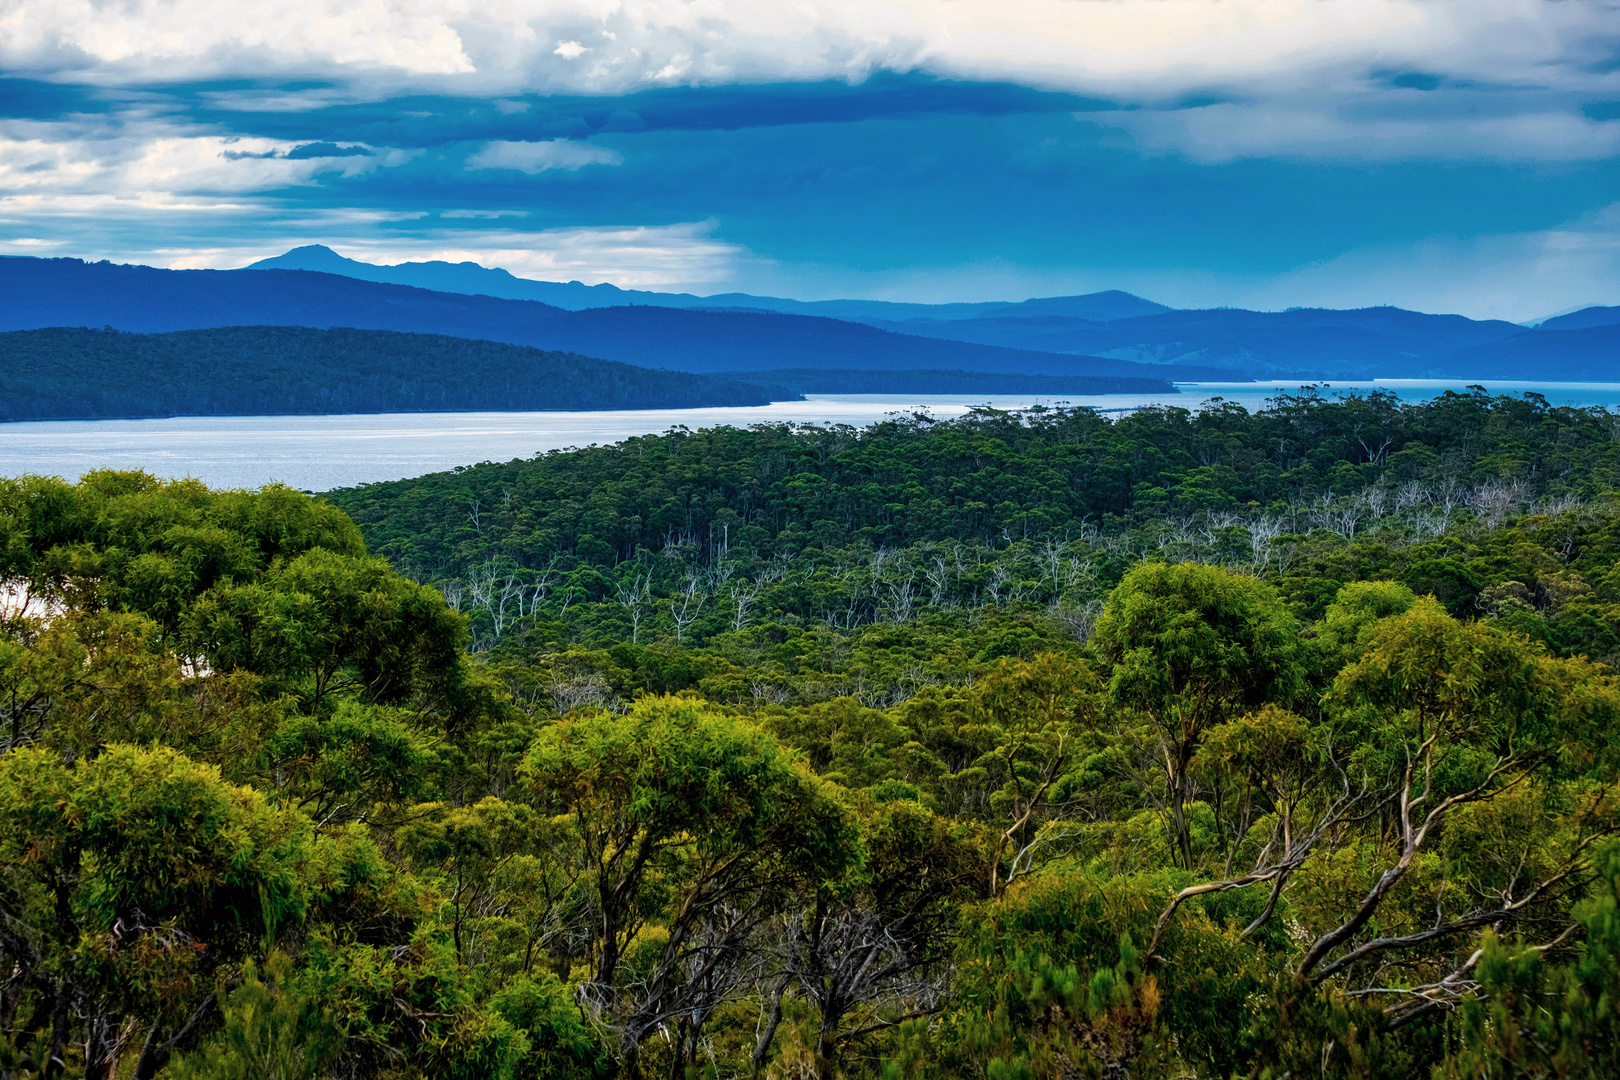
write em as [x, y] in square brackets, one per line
[1026, 745]
[73, 374]
[815, 526]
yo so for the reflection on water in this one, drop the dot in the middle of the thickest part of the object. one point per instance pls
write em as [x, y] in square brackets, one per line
[321, 452]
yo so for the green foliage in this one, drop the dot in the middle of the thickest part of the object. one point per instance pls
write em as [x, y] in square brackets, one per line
[560, 1045]
[816, 753]
[273, 1028]
[323, 622]
[915, 517]
[1188, 647]
[1052, 981]
[133, 879]
[1548, 1013]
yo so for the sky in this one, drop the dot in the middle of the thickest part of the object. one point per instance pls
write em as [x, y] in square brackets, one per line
[1443, 155]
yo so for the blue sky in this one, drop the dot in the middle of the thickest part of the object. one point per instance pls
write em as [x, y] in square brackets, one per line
[1441, 155]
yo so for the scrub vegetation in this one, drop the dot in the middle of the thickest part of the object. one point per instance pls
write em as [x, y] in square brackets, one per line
[1204, 744]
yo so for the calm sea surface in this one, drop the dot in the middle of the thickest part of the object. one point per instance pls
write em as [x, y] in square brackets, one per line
[320, 452]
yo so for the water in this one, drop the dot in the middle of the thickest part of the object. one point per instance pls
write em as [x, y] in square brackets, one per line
[316, 453]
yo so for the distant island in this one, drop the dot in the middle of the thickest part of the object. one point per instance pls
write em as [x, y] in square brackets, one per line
[84, 374]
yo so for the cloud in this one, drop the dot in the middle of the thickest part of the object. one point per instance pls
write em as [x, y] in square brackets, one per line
[1288, 68]
[539, 157]
[616, 46]
[1202, 151]
[1514, 276]
[163, 157]
[686, 256]
[325, 150]
[300, 153]
[424, 120]
[1348, 128]
[165, 230]
[681, 256]
[143, 39]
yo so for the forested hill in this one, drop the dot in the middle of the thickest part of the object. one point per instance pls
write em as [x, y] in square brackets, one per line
[66, 373]
[992, 478]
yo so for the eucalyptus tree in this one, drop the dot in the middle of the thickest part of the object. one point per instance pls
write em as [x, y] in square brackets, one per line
[1186, 648]
[681, 818]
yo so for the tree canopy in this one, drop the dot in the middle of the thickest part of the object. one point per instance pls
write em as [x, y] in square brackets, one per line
[1165, 795]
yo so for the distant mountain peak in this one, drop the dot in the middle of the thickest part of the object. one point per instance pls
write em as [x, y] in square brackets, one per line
[308, 257]
[472, 278]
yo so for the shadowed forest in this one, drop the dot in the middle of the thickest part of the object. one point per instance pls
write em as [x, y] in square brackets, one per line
[1185, 744]
[63, 373]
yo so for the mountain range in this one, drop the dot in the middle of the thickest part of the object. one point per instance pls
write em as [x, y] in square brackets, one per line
[469, 277]
[37, 293]
[1384, 342]
[1378, 342]
[994, 346]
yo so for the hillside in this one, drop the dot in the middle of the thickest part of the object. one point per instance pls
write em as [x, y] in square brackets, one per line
[37, 293]
[694, 340]
[64, 373]
[1587, 354]
[1584, 318]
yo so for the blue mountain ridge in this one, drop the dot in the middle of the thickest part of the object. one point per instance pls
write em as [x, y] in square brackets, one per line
[1378, 342]
[1582, 319]
[37, 293]
[1385, 342]
[469, 277]
[1214, 345]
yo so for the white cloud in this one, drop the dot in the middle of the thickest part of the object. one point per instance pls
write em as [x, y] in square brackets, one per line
[1140, 46]
[29, 245]
[1512, 276]
[157, 156]
[275, 101]
[1334, 127]
[538, 157]
[476, 215]
[220, 233]
[158, 229]
[180, 38]
[1290, 70]
[683, 256]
